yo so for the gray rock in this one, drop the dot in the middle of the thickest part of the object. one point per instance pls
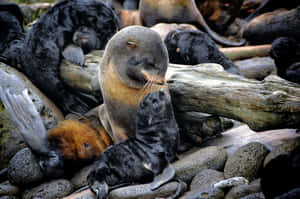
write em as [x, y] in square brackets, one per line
[256, 68]
[7, 189]
[50, 190]
[9, 197]
[143, 191]
[242, 190]
[10, 140]
[23, 169]
[79, 180]
[210, 193]
[254, 196]
[205, 179]
[205, 158]
[85, 194]
[285, 147]
[231, 182]
[246, 161]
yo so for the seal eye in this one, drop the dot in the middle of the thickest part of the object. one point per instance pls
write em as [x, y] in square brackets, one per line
[86, 145]
[131, 44]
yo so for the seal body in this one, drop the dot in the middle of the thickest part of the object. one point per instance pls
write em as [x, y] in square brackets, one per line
[134, 64]
[139, 159]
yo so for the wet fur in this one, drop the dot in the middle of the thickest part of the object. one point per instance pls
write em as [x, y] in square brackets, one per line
[139, 159]
[38, 55]
[191, 47]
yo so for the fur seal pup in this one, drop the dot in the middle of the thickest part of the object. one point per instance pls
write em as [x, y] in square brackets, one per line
[134, 64]
[139, 159]
[39, 54]
[178, 11]
[64, 149]
[191, 47]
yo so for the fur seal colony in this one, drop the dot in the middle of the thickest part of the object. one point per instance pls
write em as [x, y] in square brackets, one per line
[38, 54]
[139, 159]
[134, 64]
[178, 11]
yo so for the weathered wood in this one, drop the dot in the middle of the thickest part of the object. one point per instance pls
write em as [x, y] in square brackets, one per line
[270, 104]
[236, 53]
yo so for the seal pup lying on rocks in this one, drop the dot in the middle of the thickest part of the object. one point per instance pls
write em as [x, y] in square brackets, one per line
[134, 64]
[140, 159]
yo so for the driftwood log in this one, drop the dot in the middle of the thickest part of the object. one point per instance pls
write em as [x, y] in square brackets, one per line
[269, 104]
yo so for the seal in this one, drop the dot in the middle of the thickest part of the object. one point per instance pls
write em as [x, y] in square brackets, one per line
[65, 148]
[191, 47]
[139, 159]
[178, 11]
[39, 54]
[134, 64]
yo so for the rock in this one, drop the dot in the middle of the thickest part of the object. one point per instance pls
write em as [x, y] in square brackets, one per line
[210, 193]
[79, 180]
[23, 169]
[256, 68]
[143, 191]
[231, 182]
[7, 189]
[10, 140]
[86, 194]
[50, 190]
[246, 161]
[205, 179]
[34, 11]
[285, 147]
[242, 190]
[254, 196]
[8, 197]
[205, 158]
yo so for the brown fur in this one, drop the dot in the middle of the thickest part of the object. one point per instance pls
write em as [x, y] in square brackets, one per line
[129, 17]
[79, 140]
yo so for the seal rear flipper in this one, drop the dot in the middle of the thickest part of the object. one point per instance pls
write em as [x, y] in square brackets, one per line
[23, 113]
[100, 189]
[166, 176]
[74, 54]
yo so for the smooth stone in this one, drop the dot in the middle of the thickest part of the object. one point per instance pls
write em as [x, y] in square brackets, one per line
[85, 194]
[50, 190]
[285, 147]
[246, 161]
[255, 196]
[256, 68]
[243, 190]
[231, 182]
[23, 169]
[9, 197]
[10, 139]
[205, 179]
[7, 189]
[210, 193]
[79, 179]
[143, 191]
[205, 158]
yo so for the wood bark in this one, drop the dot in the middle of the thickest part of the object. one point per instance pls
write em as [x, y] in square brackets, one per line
[269, 104]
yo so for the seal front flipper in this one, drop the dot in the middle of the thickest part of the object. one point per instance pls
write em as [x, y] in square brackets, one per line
[74, 54]
[23, 113]
[166, 176]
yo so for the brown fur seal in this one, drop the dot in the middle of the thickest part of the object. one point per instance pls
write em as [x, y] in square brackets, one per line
[134, 64]
[178, 11]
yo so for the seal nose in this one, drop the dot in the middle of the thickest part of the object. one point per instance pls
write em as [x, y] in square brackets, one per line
[153, 77]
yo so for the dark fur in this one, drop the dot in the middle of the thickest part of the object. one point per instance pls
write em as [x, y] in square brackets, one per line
[286, 54]
[281, 175]
[40, 53]
[155, 145]
[191, 47]
[127, 4]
